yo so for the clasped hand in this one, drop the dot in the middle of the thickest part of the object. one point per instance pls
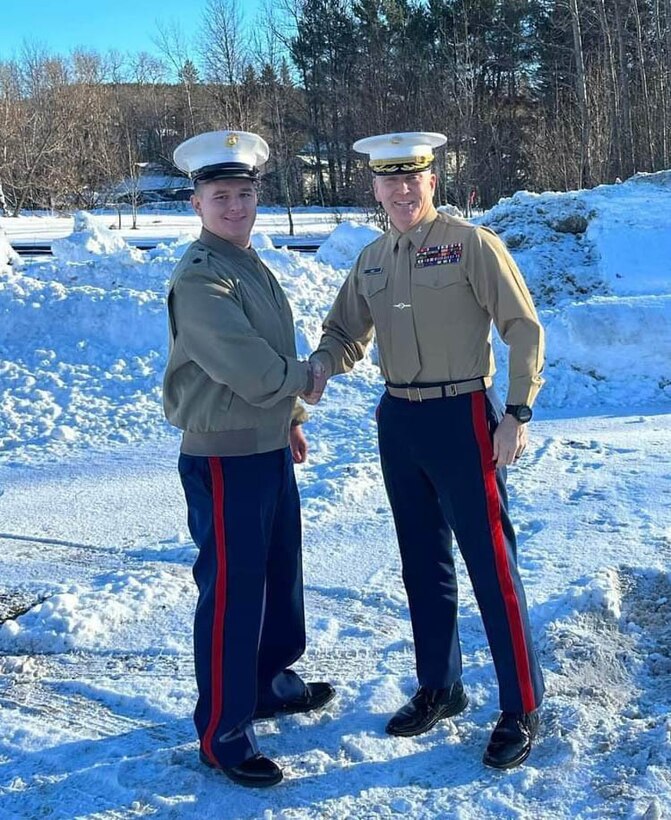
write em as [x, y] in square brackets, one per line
[319, 379]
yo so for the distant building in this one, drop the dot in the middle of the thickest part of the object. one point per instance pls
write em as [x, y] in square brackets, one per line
[154, 183]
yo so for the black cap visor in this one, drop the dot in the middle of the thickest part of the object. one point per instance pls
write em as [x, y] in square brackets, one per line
[225, 170]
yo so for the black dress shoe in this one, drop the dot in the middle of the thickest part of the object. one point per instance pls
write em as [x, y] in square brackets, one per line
[511, 740]
[426, 708]
[315, 696]
[255, 771]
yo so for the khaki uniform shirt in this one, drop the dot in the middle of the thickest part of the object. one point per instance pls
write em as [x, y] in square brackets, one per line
[461, 278]
[232, 374]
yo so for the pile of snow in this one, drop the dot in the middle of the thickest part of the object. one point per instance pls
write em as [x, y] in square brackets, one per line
[345, 243]
[608, 351]
[89, 241]
[91, 618]
[597, 263]
[601, 593]
[546, 234]
[8, 256]
[261, 241]
[451, 210]
[611, 240]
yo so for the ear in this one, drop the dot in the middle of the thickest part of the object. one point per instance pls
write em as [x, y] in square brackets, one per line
[195, 204]
[433, 179]
[375, 189]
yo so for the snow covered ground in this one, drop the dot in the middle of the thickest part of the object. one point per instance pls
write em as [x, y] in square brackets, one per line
[96, 597]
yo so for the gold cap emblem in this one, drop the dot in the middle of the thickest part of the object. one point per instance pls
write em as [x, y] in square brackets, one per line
[232, 139]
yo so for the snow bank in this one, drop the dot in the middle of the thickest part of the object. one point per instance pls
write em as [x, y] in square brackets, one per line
[343, 246]
[608, 351]
[7, 254]
[601, 594]
[82, 618]
[611, 240]
[90, 240]
[261, 241]
[83, 336]
[546, 235]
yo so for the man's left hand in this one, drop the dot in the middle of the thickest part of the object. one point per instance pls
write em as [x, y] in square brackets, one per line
[510, 441]
[298, 444]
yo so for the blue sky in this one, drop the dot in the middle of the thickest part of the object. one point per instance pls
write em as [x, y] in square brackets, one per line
[99, 25]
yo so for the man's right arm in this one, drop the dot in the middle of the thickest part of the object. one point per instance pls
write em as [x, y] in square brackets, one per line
[347, 330]
[216, 334]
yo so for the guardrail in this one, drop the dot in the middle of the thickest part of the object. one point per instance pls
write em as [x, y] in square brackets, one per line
[32, 247]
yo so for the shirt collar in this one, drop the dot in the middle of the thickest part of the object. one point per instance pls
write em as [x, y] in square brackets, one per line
[416, 235]
[217, 243]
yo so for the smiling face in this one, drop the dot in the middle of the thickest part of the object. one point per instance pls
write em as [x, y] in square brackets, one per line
[407, 198]
[227, 208]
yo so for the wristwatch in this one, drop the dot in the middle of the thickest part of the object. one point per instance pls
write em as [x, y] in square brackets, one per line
[521, 412]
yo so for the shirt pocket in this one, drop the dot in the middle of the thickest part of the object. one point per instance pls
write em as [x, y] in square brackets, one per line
[372, 283]
[437, 276]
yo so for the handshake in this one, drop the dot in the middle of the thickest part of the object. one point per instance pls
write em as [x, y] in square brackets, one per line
[316, 382]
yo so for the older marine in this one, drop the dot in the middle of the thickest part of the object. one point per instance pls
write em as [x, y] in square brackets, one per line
[430, 289]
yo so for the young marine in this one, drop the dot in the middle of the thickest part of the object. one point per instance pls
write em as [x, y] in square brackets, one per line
[231, 384]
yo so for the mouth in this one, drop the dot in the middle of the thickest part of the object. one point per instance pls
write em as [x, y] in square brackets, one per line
[403, 203]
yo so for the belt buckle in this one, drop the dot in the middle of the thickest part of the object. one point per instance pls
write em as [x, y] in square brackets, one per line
[419, 395]
[452, 390]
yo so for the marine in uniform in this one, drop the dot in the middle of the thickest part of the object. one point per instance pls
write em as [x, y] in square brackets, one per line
[231, 384]
[430, 288]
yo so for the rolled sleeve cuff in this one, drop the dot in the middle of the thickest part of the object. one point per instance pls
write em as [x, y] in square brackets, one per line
[299, 375]
[524, 392]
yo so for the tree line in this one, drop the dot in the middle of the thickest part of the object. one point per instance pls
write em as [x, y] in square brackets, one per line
[535, 94]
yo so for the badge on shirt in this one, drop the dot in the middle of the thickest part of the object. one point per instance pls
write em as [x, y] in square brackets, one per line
[439, 255]
[372, 270]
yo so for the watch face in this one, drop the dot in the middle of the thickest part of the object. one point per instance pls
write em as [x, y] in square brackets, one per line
[524, 413]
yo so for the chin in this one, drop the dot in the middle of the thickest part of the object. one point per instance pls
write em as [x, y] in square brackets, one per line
[408, 220]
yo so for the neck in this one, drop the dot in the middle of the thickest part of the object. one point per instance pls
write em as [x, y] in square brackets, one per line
[429, 214]
[239, 243]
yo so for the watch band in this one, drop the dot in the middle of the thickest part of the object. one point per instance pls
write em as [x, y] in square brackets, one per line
[522, 412]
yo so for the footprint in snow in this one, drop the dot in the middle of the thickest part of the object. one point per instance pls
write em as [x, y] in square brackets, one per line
[527, 529]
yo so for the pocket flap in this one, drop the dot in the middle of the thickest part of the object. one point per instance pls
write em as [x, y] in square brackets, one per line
[437, 276]
[370, 283]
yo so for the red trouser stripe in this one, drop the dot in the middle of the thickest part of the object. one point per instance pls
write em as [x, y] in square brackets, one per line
[217, 653]
[510, 601]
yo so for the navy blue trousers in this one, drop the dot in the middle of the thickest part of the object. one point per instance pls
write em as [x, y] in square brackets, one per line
[440, 476]
[244, 517]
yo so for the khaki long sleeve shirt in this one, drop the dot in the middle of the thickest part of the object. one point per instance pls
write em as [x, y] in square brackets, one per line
[462, 279]
[232, 374]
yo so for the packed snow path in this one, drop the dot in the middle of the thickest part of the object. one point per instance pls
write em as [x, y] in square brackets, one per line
[96, 686]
